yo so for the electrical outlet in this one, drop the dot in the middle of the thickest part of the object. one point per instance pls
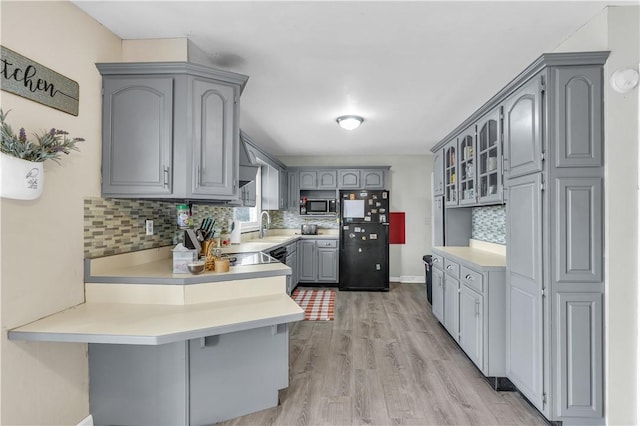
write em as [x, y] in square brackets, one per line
[148, 225]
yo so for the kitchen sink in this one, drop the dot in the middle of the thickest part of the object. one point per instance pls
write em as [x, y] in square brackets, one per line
[251, 258]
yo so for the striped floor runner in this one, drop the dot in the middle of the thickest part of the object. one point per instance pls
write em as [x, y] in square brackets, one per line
[317, 304]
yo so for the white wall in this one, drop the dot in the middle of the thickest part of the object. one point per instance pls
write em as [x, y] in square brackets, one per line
[42, 240]
[617, 29]
[409, 188]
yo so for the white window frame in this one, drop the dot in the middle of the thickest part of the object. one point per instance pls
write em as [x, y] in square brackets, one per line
[255, 225]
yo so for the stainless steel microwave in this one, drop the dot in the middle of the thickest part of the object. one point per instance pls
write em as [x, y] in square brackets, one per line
[317, 206]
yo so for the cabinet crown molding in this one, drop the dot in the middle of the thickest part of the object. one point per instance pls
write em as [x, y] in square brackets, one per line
[543, 61]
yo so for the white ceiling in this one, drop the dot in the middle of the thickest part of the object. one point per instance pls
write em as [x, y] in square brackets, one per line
[413, 70]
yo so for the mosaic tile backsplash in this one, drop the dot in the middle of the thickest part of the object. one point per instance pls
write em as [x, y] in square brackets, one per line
[289, 220]
[489, 224]
[113, 226]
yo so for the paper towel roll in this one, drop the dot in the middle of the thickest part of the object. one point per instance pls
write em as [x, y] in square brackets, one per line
[235, 233]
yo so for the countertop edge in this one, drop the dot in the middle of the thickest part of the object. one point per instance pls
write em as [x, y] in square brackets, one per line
[33, 336]
[187, 280]
[470, 263]
[290, 313]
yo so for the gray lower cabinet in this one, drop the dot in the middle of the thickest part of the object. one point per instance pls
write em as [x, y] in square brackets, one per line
[318, 260]
[196, 382]
[451, 305]
[292, 262]
[471, 324]
[469, 300]
[437, 293]
[170, 130]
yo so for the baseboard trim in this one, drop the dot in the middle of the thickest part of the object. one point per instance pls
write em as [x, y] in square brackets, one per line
[407, 279]
[87, 421]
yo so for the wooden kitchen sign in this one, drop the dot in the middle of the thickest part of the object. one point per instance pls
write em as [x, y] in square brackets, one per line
[29, 79]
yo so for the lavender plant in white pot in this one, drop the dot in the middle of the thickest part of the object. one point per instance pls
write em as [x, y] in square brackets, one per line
[21, 160]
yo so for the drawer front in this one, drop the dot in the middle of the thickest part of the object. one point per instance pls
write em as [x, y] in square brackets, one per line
[327, 243]
[438, 261]
[472, 279]
[452, 268]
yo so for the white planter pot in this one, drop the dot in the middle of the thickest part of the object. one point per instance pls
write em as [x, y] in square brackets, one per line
[20, 179]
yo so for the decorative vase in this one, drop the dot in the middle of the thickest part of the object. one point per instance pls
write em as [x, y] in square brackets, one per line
[20, 179]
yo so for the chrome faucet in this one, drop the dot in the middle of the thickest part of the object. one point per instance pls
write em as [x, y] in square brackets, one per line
[263, 228]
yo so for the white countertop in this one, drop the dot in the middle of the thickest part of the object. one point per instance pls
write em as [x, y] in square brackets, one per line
[125, 323]
[474, 255]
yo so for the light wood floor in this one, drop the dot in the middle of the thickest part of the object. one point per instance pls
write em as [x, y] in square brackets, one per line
[385, 360]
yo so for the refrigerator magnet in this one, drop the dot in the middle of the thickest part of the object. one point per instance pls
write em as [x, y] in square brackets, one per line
[367, 218]
[378, 204]
[384, 195]
[373, 211]
[373, 236]
[370, 202]
[356, 229]
[352, 196]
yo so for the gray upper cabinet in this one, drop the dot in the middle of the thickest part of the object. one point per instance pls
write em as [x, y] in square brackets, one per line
[307, 179]
[143, 167]
[349, 178]
[270, 186]
[327, 179]
[373, 179]
[284, 189]
[489, 166]
[293, 192]
[214, 143]
[170, 131]
[578, 116]
[318, 179]
[523, 129]
[450, 173]
[467, 167]
[438, 173]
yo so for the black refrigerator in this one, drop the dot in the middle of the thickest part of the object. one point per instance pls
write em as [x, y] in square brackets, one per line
[364, 240]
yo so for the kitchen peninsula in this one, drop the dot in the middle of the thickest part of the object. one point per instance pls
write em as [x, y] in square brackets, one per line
[174, 349]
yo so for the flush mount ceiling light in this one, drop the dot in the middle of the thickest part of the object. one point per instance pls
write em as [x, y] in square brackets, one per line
[349, 122]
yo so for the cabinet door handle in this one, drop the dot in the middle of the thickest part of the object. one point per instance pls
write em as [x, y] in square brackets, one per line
[477, 308]
[505, 164]
[198, 175]
[165, 183]
[436, 260]
[468, 277]
[449, 267]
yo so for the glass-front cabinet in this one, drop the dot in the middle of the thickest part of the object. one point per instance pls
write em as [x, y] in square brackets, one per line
[450, 178]
[490, 158]
[467, 166]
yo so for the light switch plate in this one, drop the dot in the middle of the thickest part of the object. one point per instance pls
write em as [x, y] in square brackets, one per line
[148, 225]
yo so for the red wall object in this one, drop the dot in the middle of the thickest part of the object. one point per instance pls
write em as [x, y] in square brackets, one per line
[396, 228]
